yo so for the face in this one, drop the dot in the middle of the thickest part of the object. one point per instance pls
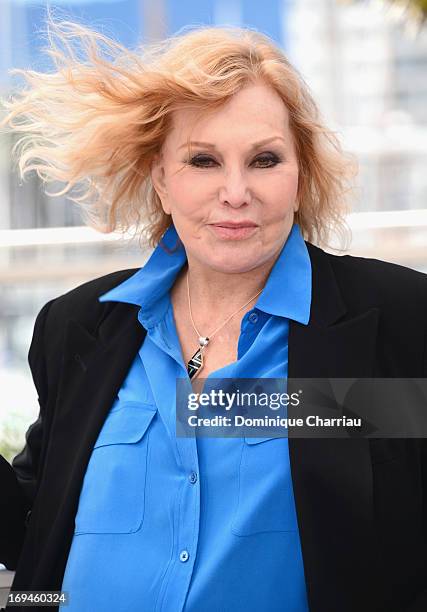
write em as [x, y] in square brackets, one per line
[233, 200]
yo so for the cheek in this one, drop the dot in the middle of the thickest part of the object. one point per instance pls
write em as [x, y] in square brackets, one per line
[281, 195]
[187, 197]
[289, 183]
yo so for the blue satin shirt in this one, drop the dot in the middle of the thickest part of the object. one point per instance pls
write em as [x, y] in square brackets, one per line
[198, 524]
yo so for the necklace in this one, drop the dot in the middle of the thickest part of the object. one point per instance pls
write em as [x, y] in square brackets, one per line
[196, 362]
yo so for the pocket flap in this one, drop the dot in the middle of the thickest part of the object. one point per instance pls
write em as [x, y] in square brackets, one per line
[249, 440]
[127, 425]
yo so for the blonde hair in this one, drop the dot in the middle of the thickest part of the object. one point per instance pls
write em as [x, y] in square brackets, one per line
[96, 122]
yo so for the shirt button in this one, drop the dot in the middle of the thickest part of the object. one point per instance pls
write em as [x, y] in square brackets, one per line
[184, 556]
[253, 317]
[192, 477]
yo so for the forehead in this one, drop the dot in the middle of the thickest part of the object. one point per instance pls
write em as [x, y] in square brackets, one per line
[255, 112]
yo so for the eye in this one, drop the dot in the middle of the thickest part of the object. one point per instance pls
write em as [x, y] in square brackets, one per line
[271, 159]
[201, 161]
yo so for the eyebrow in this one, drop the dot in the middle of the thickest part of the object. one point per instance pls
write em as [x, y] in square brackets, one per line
[253, 146]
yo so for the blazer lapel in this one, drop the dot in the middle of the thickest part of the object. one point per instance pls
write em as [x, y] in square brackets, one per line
[332, 478]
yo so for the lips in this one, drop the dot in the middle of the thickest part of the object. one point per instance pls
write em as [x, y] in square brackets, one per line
[234, 224]
[226, 230]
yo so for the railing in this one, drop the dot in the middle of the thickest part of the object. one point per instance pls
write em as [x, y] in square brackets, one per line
[29, 256]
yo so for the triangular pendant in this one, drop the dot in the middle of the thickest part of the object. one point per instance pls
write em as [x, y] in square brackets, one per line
[195, 364]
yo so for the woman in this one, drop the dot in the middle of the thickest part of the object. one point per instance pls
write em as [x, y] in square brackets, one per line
[211, 142]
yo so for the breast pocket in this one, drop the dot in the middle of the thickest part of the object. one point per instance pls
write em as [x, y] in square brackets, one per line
[112, 498]
[265, 500]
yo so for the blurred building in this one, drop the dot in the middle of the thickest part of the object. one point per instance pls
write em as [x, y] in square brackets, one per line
[369, 74]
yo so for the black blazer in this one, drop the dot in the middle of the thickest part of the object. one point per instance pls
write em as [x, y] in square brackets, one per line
[361, 503]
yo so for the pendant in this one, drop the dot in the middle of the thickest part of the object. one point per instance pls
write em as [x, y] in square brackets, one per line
[196, 362]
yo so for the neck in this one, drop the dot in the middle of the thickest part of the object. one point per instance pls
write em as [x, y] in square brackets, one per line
[215, 295]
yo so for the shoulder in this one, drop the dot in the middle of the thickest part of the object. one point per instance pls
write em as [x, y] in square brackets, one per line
[380, 279]
[91, 290]
[81, 302]
[399, 293]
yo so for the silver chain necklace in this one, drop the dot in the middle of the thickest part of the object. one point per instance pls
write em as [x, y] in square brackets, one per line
[196, 362]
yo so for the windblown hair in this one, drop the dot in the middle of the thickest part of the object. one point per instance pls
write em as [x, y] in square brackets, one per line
[98, 119]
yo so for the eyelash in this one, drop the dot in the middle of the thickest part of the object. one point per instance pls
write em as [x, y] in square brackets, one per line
[195, 161]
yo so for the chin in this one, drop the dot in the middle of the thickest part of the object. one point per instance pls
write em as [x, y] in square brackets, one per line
[233, 264]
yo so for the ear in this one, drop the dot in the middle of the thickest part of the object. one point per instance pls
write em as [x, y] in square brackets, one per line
[157, 173]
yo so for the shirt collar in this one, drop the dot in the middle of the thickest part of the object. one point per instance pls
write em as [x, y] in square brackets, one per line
[149, 286]
[287, 292]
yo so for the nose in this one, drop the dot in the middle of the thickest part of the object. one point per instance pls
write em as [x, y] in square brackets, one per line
[234, 190]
